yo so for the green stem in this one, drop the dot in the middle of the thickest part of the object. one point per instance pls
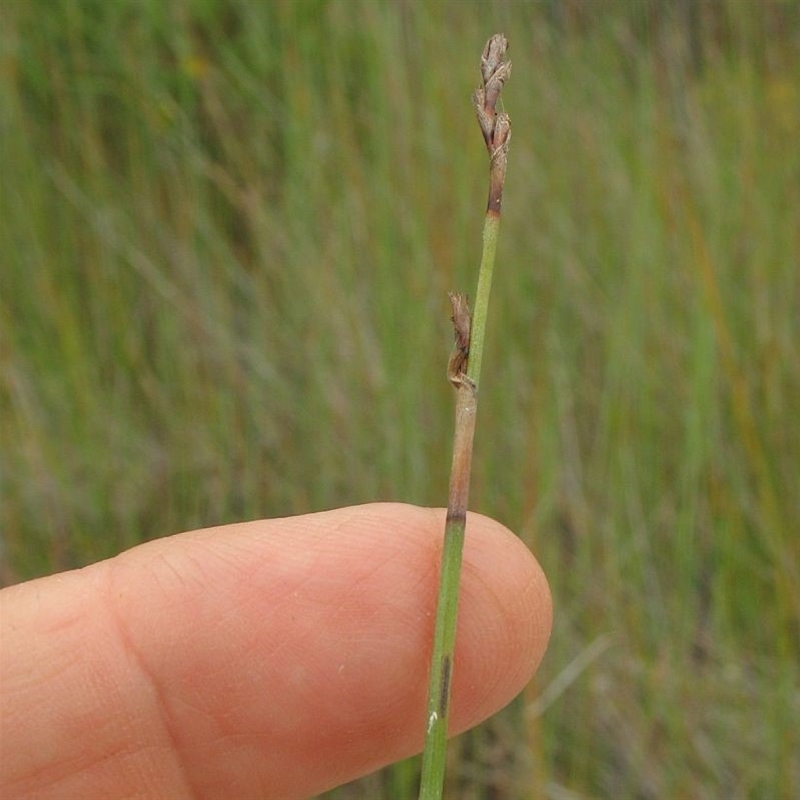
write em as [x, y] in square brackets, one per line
[490, 229]
[434, 756]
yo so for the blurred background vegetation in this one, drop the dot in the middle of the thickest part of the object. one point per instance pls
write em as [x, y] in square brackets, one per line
[227, 233]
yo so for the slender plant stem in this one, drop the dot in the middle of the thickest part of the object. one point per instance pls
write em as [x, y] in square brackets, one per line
[491, 227]
[464, 373]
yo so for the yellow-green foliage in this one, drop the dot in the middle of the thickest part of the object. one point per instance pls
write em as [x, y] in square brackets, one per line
[227, 230]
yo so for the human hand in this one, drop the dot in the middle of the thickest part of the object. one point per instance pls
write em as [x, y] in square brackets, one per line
[269, 659]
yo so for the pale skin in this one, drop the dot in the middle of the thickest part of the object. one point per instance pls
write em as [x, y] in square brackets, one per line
[270, 659]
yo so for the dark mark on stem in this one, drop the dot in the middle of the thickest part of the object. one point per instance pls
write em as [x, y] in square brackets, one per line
[444, 697]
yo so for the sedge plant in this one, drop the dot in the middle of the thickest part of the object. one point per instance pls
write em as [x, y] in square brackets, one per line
[464, 373]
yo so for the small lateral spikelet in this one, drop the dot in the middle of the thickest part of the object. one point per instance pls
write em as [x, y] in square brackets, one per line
[462, 323]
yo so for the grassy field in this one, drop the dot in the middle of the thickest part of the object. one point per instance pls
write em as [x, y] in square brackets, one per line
[227, 233]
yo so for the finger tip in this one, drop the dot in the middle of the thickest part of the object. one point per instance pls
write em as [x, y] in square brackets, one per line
[329, 620]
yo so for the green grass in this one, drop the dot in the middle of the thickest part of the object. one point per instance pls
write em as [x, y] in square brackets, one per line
[227, 233]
